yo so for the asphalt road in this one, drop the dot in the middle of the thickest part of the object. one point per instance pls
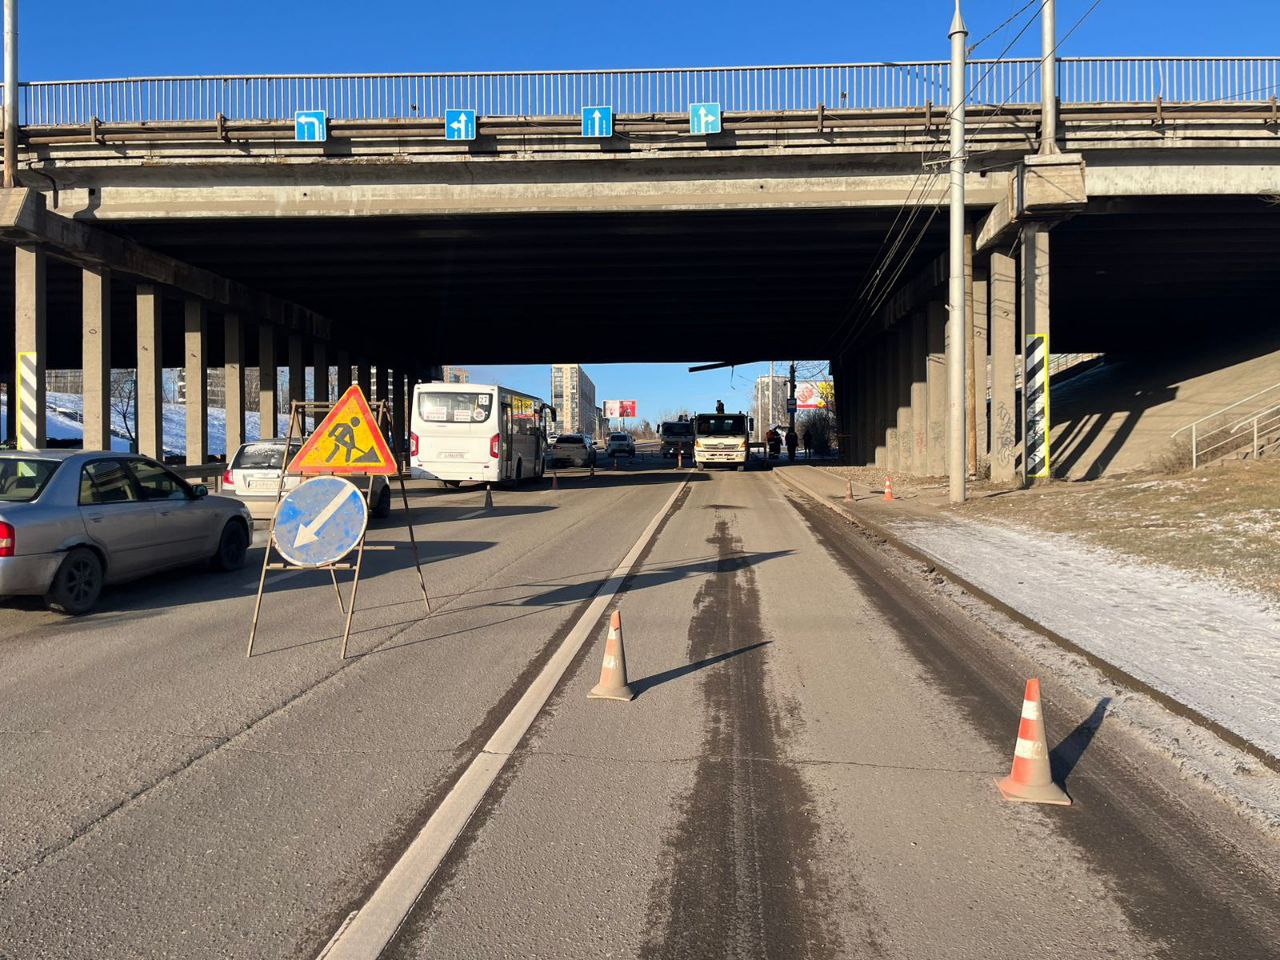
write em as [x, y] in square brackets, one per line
[805, 772]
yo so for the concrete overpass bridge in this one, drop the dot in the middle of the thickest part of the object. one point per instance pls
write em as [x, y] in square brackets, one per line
[177, 222]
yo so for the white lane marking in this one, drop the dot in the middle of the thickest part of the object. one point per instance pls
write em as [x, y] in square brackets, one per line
[378, 921]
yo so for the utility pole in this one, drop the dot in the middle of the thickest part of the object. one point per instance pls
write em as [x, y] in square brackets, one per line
[956, 466]
[791, 404]
[10, 93]
[1048, 78]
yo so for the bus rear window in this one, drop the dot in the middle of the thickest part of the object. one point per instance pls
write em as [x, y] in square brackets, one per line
[451, 407]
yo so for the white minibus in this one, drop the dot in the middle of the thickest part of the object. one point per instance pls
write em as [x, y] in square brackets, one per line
[476, 432]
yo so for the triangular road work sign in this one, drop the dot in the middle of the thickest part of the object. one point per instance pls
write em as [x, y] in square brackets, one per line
[347, 441]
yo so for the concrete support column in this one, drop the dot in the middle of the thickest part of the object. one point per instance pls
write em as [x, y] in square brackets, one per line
[150, 388]
[892, 445]
[1004, 353]
[364, 378]
[935, 445]
[197, 387]
[320, 376]
[96, 356]
[344, 371]
[1034, 278]
[233, 377]
[30, 343]
[881, 380]
[268, 384]
[10, 428]
[398, 411]
[981, 314]
[919, 394]
[970, 359]
[906, 464]
[297, 370]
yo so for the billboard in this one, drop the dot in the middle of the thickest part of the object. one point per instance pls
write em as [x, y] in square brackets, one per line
[619, 408]
[814, 394]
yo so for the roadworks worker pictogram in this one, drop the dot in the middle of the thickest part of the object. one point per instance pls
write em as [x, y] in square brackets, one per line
[347, 441]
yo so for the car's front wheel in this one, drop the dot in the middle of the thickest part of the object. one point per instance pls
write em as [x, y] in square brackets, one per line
[233, 545]
[77, 584]
[382, 508]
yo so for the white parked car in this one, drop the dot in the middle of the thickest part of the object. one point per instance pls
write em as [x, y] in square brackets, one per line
[620, 445]
[254, 477]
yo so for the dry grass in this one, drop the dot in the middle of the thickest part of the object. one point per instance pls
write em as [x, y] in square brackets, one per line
[1223, 521]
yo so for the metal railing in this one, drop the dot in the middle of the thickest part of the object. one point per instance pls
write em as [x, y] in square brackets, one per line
[863, 86]
[1246, 425]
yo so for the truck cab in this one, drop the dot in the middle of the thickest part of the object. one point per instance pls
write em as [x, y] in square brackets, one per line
[721, 440]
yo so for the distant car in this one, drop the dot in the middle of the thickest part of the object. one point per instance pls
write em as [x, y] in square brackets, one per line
[620, 445]
[254, 477]
[73, 522]
[571, 449]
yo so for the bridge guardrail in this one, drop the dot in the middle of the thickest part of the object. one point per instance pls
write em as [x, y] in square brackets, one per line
[870, 86]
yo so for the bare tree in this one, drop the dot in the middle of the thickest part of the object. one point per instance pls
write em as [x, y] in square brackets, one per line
[124, 395]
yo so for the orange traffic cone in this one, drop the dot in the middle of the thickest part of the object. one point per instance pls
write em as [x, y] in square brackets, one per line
[593, 468]
[615, 461]
[1030, 780]
[555, 480]
[613, 673]
[488, 496]
[679, 459]
[888, 488]
[848, 497]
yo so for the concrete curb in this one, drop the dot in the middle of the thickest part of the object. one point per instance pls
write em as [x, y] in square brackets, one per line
[1108, 669]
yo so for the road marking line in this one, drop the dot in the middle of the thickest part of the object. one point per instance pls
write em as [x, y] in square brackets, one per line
[378, 921]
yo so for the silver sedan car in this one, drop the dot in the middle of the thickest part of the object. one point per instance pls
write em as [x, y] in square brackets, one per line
[72, 522]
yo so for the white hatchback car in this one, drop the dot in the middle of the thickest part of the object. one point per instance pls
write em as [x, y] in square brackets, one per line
[620, 445]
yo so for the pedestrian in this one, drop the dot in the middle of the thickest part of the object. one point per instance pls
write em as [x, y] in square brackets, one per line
[720, 406]
[807, 439]
[791, 444]
[774, 441]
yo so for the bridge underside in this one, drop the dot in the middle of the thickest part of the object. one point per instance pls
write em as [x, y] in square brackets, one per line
[691, 285]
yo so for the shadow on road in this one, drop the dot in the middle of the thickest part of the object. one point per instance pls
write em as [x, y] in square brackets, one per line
[1064, 757]
[640, 686]
[657, 577]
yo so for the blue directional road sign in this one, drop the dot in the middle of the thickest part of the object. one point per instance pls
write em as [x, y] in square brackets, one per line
[320, 521]
[704, 118]
[459, 124]
[310, 125]
[597, 121]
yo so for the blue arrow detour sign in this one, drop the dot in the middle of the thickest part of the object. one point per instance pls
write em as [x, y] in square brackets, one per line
[320, 521]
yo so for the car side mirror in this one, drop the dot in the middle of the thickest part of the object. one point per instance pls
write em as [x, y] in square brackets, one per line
[200, 490]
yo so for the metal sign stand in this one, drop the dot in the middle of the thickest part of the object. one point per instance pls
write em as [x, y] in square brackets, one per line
[298, 411]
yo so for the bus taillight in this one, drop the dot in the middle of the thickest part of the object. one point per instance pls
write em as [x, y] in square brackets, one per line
[413, 444]
[493, 445]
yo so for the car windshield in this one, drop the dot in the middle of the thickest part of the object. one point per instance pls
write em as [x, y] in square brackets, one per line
[568, 438]
[263, 455]
[23, 478]
[619, 436]
[449, 407]
[715, 425]
[677, 429]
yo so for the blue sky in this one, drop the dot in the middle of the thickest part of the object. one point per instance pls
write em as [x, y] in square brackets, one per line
[90, 38]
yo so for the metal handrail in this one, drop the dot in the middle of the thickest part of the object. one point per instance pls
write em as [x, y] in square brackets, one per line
[1227, 409]
[884, 85]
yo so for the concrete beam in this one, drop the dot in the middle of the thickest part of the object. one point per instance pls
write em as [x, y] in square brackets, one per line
[149, 389]
[24, 219]
[1043, 188]
[96, 356]
[30, 344]
[194, 328]
[233, 376]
